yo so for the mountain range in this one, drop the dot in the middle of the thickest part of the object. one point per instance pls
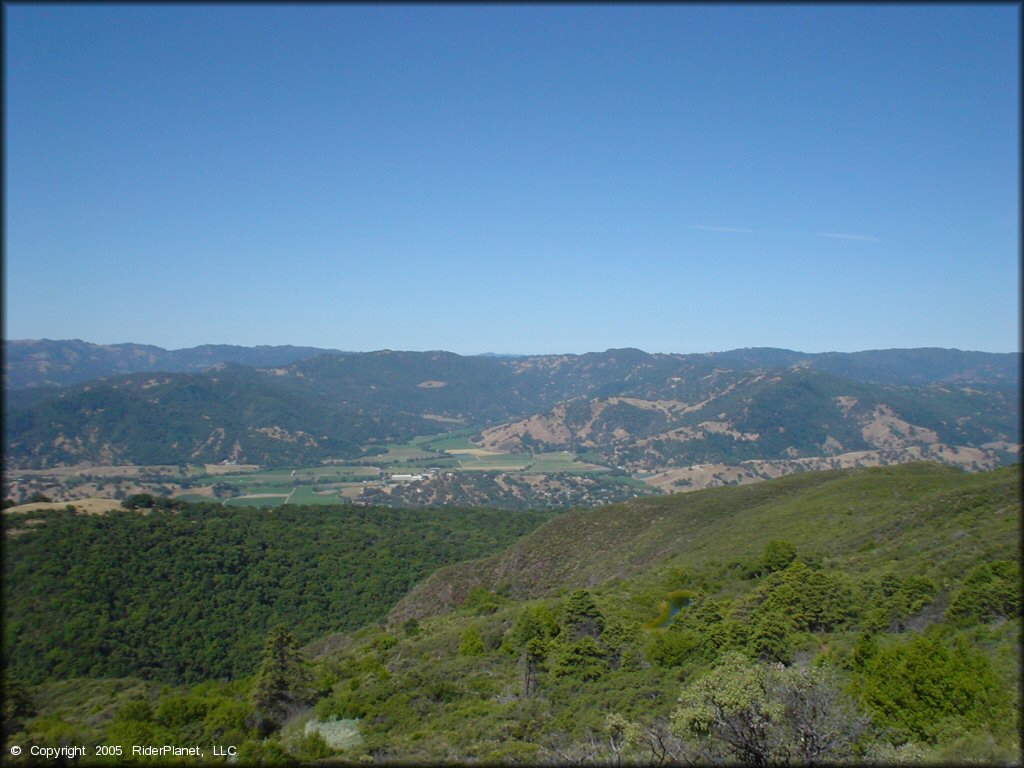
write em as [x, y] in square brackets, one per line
[760, 411]
[44, 362]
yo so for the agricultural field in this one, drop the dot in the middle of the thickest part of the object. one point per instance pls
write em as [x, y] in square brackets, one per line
[437, 470]
[423, 468]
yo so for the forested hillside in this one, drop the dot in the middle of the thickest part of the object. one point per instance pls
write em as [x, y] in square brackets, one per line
[855, 616]
[188, 594]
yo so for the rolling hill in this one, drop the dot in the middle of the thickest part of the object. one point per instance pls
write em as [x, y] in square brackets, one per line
[646, 413]
[922, 517]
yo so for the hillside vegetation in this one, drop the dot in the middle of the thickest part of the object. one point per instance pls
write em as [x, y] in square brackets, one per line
[905, 518]
[188, 594]
[863, 615]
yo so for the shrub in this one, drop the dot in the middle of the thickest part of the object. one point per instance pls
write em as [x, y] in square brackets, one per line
[482, 601]
[916, 687]
[760, 714]
[411, 627]
[471, 643]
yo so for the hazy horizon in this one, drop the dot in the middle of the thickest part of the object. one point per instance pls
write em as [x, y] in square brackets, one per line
[517, 354]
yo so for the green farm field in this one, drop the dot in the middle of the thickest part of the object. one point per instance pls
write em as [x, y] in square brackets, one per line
[306, 495]
[562, 461]
[255, 501]
[509, 462]
[448, 442]
[342, 482]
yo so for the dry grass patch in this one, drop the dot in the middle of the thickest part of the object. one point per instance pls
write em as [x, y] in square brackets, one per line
[475, 452]
[88, 506]
[229, 469]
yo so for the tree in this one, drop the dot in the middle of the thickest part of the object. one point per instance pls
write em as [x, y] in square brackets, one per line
[663, 746]
[582, 616]
[673, 648]
[621, 734]
[582, 659]
[283, 683]
[990, 591]
[777, 555]
[137, 500]
[533, 622]
[729, 708]
[770, 639]
[892, 600]
[809, 600]
[823, 723]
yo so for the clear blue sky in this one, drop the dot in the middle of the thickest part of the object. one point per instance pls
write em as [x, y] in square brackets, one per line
[526, 179]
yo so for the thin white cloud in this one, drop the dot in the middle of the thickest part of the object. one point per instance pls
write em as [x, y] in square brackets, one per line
[745, 231]
[845, 236]
[710, 228]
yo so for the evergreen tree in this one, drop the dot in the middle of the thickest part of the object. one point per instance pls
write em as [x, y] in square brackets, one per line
[533, 622]
[991, 591]
[581, 660]
[777, 555]
[582, 617]
[283, 683]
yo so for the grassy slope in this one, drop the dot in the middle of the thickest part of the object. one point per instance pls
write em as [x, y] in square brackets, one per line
[857, 516]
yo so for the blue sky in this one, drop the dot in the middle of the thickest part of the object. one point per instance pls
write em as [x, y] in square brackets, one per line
[524, 179]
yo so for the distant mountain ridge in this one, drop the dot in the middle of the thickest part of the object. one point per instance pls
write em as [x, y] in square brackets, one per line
[44, 362]
[624, 407]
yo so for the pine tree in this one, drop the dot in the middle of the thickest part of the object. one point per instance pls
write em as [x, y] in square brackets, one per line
[582, 617]
[283, 683]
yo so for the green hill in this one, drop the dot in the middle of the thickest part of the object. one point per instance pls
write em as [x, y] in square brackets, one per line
[855, 616]
[907, 518]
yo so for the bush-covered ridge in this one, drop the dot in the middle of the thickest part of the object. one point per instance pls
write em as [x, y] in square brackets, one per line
[896, 515]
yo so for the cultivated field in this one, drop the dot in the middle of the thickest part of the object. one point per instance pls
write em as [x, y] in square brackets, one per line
[329, 483]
